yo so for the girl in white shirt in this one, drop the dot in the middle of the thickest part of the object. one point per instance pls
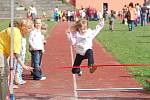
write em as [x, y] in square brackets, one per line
[81, 37]
[37, 49]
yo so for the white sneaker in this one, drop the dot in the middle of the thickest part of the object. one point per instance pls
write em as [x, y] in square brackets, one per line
[43, 78]
[15, 86]
[80, 74]
[22, 82]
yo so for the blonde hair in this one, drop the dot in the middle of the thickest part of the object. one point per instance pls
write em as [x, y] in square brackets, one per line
[25, 23]
[78, 25]
[44, 26]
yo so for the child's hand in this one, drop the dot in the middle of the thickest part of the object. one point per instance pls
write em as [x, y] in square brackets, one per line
[43, 51]
[44, 42]
[28, 67]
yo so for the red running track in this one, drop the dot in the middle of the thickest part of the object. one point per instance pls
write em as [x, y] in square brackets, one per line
[59, 83]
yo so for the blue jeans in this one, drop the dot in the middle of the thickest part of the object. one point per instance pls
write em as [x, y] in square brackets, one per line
[36, 57]
[20, 69]
[78, 60]
[143, 21]
[131, 25]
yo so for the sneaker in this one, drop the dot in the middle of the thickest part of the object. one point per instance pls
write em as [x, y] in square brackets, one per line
[43, 78]
[75, 70]
[15, 86]
[31, 73]
[22, 82]
[79, 74]
[92, 69]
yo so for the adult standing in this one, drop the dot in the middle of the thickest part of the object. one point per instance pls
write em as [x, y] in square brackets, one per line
[33, 12]
[131, 15]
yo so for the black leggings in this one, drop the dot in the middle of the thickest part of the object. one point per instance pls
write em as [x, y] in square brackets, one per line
[78, 60]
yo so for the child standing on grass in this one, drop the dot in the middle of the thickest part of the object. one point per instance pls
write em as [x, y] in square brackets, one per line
[36, 42]
[81, 37]
[111, 20]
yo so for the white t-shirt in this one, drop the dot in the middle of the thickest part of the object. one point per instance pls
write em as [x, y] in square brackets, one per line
[36, 40]
[84, 42]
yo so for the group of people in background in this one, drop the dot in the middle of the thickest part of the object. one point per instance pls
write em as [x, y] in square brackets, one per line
[83, 13]
[131, 15]
[134, 14]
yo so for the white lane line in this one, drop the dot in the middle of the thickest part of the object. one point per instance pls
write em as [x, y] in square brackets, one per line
[111, 89]
[74, 77]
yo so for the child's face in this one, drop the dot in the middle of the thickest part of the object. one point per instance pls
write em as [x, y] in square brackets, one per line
[27, 29]
[83, 29]
[30, 28]
[38, 24]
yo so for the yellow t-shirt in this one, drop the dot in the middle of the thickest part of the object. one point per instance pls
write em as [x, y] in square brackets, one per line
[5, 38]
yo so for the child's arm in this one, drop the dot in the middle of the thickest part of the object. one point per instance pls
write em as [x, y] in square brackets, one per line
[98, 27]
[31, 43]
[17, 56]
[44, 42]
[71, 37]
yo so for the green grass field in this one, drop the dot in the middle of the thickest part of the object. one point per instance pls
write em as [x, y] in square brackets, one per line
[128, 48]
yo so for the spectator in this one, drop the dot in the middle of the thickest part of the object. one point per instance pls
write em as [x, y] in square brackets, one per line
[111, 20]
[131, 15]
[24, 26]
[33, 12]
[36, 42]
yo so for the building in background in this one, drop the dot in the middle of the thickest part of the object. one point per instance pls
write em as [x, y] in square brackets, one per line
[102, 5]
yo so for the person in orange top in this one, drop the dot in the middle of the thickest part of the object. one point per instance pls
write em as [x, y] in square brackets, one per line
[131, 16]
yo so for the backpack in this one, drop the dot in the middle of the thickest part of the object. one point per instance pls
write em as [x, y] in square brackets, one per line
[128, 15]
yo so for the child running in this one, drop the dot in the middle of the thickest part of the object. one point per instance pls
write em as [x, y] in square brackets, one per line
[81, 37]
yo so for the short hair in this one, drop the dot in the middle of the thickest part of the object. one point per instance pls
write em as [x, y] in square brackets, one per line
[131, 4]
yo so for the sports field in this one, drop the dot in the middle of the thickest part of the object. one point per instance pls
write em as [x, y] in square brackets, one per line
[127, 47]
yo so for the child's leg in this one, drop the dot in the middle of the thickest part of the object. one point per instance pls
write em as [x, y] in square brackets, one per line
[112, 25]
[15, 71]
[77, 63]
[41, 54]
[19, 75]
[89, 55]
[20, 70]
[40, 62]
[36, 62]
